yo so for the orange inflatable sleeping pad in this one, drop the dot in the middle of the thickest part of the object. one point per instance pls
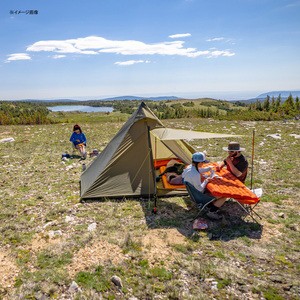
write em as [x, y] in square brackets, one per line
[230, 187]
[168, 185]
[163, 162]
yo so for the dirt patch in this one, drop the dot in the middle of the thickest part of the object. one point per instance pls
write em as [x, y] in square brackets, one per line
[40, 243]
[156, 245]
[95, 254]
[8, 270]
[270, 232]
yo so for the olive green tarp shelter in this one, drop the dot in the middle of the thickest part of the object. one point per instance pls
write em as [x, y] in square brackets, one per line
[125, 168]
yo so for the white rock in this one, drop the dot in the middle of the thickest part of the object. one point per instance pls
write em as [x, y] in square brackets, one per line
[92, 227]
[48, 224]
[74, 288]
[214, 285]
[275, 136]
[7, 140]
[54, 233]
[69, 219]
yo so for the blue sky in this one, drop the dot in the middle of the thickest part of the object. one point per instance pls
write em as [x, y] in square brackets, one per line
[233, 49]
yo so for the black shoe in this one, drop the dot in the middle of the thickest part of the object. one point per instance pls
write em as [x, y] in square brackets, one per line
[215, 215]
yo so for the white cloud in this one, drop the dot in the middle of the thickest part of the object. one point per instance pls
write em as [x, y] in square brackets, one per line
[293, 4]
[179, 35]
[216, 39]
[222, 39]
[218, 53]
[94, 45]
[131, 62]
[18, 56]
[58, 56]
[67, 46]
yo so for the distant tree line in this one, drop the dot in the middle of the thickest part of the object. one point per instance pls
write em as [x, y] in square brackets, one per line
[268, 110]
[23, 113]
[289, 107]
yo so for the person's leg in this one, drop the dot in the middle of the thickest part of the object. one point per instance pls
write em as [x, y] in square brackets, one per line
[214, 208]
[219, 202]
[81, 148]
[83, 151]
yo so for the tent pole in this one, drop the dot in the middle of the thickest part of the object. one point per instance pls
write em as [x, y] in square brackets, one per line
[252, 158]
[152, 170]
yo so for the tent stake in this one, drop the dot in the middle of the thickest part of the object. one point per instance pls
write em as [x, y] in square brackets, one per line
[252, 158]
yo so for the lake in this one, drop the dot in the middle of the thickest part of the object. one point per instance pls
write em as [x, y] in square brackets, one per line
[81, 108]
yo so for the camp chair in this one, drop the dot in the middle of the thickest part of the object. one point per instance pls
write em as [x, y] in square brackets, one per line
[201, 199]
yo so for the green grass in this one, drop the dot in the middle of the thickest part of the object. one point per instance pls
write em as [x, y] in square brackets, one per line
[272, 293]
[94, 280]
[46, 260]
[156, 256]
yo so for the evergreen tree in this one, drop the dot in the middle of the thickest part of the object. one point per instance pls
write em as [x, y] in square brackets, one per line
[297, 104]
[266, 104]
[288, 105]
[272, 107]
[258, 105]
[278, 103]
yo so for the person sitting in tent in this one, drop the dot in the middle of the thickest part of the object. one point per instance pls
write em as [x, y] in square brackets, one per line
[194, 174]
[173, 172]
[235, 162]
[79, 140]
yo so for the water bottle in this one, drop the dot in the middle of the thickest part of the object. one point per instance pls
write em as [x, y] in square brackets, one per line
[83, 167]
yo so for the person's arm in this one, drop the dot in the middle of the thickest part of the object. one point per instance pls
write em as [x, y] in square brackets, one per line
[204, 183]
[233, 168]
[204, 170]
[72, 138]
[83, 139]
[201, 185]
[220, 166]
[75, 138]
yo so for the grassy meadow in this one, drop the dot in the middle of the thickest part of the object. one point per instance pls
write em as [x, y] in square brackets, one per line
[54, 247]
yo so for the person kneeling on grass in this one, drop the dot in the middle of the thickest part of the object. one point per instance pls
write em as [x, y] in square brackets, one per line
[79, 140]
[193, 175]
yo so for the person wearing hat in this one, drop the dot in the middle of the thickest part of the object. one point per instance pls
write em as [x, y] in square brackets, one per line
[79, 140]
[235, 162]
[193, 175]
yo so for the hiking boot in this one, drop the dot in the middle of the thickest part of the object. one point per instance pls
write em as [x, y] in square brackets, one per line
[215, 215]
